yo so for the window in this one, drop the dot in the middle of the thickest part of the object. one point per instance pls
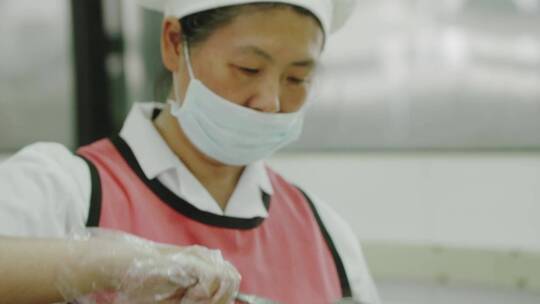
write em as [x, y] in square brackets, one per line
[35, 78]
[431, 75]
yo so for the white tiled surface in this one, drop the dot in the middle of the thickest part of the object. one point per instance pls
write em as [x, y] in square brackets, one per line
[403, 292]
[502, 270]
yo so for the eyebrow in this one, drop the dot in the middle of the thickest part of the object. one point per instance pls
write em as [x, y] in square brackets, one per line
[261, 53]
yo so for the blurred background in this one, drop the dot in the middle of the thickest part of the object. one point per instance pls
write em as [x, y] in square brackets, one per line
[425, 133]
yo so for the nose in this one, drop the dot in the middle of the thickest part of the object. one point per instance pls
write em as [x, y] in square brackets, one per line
[265, 97]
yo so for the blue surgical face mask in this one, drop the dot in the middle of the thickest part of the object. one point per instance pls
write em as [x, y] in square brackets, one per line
[227, 132]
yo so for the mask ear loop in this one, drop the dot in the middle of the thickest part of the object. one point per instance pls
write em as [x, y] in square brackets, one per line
[188, 59]
[176, 104]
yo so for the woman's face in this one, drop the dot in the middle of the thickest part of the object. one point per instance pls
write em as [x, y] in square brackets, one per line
[263, 60]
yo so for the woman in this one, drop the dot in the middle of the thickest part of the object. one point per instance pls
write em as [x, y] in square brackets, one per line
[189, 174]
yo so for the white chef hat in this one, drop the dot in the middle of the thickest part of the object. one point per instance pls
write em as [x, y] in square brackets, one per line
[331, 13]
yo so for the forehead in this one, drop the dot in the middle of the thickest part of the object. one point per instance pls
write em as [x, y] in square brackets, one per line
[278, 31]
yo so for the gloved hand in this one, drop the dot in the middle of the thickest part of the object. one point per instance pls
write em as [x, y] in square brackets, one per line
[113, 267]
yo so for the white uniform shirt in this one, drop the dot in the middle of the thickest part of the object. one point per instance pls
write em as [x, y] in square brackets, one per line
[45, 192]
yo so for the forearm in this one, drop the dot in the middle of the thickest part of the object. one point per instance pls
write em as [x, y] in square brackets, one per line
[103, 262]
[29, 269]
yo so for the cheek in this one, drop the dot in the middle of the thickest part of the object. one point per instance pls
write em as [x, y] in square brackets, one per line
[220, 79]
[293, 99]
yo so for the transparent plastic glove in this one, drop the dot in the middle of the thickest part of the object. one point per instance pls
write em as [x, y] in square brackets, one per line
[107, 266]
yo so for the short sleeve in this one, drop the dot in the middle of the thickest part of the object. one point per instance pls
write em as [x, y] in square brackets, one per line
[44, 192]
[349, 249]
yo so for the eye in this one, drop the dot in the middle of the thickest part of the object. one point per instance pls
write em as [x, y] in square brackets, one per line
[249, 71]
[295, 80]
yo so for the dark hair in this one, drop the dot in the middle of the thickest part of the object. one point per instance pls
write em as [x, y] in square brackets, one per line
[196, 28]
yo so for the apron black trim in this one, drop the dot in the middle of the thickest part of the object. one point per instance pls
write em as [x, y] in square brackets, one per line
[179, 204]
[343, 278]
[94, 213]
[266, 200]
[155, 113]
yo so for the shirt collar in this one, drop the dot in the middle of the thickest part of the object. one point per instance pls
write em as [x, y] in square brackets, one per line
[152, 152]
[156, 158]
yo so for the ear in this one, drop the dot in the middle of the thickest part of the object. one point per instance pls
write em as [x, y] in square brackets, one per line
[171, 43]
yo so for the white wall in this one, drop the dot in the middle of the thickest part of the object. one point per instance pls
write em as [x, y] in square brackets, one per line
[482, 200]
